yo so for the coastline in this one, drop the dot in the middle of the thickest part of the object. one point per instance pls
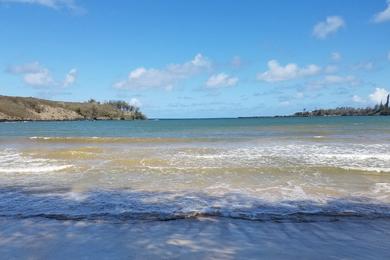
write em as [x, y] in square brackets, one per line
[66, 120]
[206, 118]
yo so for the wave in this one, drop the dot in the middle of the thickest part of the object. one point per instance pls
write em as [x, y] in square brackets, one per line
[39, 169]
[15, 162]
[369, 158]
[94, 139]
[125, 205]
[156, 216]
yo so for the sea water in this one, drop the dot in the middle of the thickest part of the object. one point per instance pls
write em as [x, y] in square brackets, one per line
[260, 170]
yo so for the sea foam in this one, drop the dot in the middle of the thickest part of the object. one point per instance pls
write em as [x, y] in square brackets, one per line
[14, 162]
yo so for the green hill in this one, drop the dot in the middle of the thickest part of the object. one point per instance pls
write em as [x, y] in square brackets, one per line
[34, 109]
[378, 110]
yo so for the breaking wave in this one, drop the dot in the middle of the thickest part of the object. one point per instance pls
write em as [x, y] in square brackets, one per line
[14, 162]
[127, 205]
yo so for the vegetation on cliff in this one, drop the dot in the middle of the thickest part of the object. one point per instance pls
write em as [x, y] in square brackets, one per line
[28, 108]
[381, 109]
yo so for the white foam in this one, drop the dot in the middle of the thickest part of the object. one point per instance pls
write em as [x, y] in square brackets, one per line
[34, 169]
[372, 157]
[381, 187]
[367, 169]
[14, 162]
[356, 156]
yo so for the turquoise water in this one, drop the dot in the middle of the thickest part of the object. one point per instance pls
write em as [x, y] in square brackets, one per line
[256, 127]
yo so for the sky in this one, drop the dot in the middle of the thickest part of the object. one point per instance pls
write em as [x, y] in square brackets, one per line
[195, 59]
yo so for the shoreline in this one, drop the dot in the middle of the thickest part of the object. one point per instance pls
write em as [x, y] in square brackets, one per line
[194, 239]
[206, 118]
[68, 120]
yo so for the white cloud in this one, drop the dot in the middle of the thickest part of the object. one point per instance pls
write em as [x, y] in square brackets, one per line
[335, 56]
[33, 67]
[383, 16]
[35, 75]
[135, 102]
[38, 79]
[331, 25]
[70, 78]
[166, 77]
[379, 95]
[388, 56]
[338, 80]
[291, 71]
[358, 99]
[335, 79]
[54, 4]
[221, 80]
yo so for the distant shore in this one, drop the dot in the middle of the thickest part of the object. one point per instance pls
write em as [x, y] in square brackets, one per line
[62, 120]
[168, 119]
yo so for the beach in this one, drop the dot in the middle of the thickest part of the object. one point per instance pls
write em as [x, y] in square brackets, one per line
[212, 188]
[193, 239]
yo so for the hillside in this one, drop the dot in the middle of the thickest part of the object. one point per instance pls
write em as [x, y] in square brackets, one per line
[34, 109]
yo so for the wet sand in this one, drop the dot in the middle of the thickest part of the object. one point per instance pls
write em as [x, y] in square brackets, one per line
[204, 238]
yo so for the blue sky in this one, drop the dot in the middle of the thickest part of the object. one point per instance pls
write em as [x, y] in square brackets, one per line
[178, 59]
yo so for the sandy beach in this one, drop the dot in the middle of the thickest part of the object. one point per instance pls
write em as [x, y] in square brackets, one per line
[204, 238]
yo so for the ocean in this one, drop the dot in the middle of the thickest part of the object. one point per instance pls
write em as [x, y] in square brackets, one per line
[314, 183]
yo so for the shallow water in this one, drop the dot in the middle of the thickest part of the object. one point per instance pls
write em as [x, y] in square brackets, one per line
[270, 168]
[289, 170]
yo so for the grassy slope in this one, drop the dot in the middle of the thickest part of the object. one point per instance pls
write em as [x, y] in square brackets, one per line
[21, 108]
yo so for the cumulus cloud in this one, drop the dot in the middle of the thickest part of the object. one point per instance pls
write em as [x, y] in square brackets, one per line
[330, 26]
[291, 71]
[142, 78]
[335, 79]
[35, 75]
[221, 80]
[379, 95]
[54, 4]
[383, 16]
[135, 102]
[70, 78]
[358, 99]
[329, 80]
